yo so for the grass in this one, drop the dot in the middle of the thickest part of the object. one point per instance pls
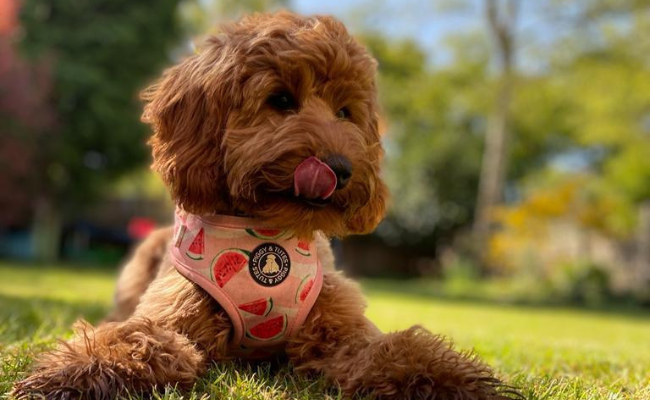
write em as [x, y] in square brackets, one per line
[549, 351]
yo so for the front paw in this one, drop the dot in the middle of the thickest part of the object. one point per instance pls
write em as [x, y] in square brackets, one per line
[63, 378]
[414, 364]
[422, 387]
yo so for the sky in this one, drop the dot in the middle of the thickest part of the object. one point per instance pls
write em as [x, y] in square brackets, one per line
[411, 18]
[430, 22]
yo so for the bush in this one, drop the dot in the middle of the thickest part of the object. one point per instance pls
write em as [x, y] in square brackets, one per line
[584, 283]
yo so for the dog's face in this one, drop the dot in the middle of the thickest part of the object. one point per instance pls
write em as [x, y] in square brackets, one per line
[275, 118]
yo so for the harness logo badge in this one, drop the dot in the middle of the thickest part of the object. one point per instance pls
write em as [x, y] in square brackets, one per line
[269, 264]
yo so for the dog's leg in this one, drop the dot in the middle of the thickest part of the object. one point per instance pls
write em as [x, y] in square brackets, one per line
[174, 330]
[340, 343]
[102, 363]
[138, 273]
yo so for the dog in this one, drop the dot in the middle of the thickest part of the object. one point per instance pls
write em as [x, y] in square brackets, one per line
[267, 136]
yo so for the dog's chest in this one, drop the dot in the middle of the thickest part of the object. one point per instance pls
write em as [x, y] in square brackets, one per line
[264, 279]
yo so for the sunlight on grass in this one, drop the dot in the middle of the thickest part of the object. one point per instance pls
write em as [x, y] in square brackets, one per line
[602, 353]
[57, 282]
[551, 352]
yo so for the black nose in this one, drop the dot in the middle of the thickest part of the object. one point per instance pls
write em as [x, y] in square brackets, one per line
[342, 167]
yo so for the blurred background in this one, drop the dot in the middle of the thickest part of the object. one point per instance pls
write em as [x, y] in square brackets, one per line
[517, 138]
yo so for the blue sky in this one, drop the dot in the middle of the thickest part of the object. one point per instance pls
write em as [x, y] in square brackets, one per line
[422, 20]
[430, 22]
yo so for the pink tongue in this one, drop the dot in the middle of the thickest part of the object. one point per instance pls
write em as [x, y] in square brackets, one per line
[313, 179]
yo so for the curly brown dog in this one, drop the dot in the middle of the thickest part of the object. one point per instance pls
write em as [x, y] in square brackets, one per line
[274, 119]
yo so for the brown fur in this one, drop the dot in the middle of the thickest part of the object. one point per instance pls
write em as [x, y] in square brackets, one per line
[220, 147]
[138, 273]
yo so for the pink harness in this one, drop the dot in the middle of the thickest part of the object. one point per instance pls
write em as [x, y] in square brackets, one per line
[266, 280]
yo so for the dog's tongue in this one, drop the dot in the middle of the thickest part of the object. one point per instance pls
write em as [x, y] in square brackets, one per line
[313, 179]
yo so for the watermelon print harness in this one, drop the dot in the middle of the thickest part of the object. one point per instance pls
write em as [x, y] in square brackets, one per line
[266, 280]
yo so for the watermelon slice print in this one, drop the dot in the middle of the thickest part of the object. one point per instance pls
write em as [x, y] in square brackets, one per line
[195, 251]
[227, 264]
[265, 233]
[303, 248]
[304, 288]
[271, 329]
[258, 307]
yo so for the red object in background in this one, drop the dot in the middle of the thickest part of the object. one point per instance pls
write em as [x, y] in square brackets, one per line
[139, 228]
[8, 16]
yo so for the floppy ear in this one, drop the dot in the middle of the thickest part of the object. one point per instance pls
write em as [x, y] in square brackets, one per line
[366, 218]
[188, 109]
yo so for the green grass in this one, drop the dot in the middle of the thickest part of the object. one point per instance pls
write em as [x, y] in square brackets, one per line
[550, 352]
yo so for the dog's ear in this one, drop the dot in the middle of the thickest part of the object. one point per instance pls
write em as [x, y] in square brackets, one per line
[188, 109]
[366, 218]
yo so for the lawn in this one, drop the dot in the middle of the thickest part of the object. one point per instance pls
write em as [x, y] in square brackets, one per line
[550, 352]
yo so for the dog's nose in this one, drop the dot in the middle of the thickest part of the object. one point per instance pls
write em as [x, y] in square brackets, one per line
[342, 167]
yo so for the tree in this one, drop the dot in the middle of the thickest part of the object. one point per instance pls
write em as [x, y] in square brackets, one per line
[584, 111]
[501, 22]
[26, 116]
[434, 119]
[437, 117]
[601, 66]
[611, 73]
[202, 16]
[102, 53]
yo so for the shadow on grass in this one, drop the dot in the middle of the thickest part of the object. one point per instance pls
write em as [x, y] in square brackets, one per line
[26, 318]
[263, 380]
[426, 290]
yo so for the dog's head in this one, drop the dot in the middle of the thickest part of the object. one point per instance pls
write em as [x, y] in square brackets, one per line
[275, 118]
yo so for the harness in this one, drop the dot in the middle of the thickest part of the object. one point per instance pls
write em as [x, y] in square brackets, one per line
[265, 279]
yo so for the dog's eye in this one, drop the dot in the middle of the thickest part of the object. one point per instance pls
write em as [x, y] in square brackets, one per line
[282, 101]
[343, 113]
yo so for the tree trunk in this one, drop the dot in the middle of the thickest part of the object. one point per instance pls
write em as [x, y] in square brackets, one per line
[493, 170]
[643, 248]
[46, 230]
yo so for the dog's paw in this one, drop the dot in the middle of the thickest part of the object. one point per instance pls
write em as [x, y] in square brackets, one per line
[423, 387]
[69, 382]
[41, 387]
[416, 365]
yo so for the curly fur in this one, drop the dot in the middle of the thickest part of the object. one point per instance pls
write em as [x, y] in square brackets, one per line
[221, 148]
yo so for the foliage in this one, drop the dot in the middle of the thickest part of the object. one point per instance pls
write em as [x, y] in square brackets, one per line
[433, 138]
[612, 115]
[550, 352]
[552, 221]
[204, 17]
[581, 113]
[436, 119]
[27, 116]
[102, 53]
[600, 172]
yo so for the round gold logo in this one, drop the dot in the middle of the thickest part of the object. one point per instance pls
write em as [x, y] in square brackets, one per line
[269, 264]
